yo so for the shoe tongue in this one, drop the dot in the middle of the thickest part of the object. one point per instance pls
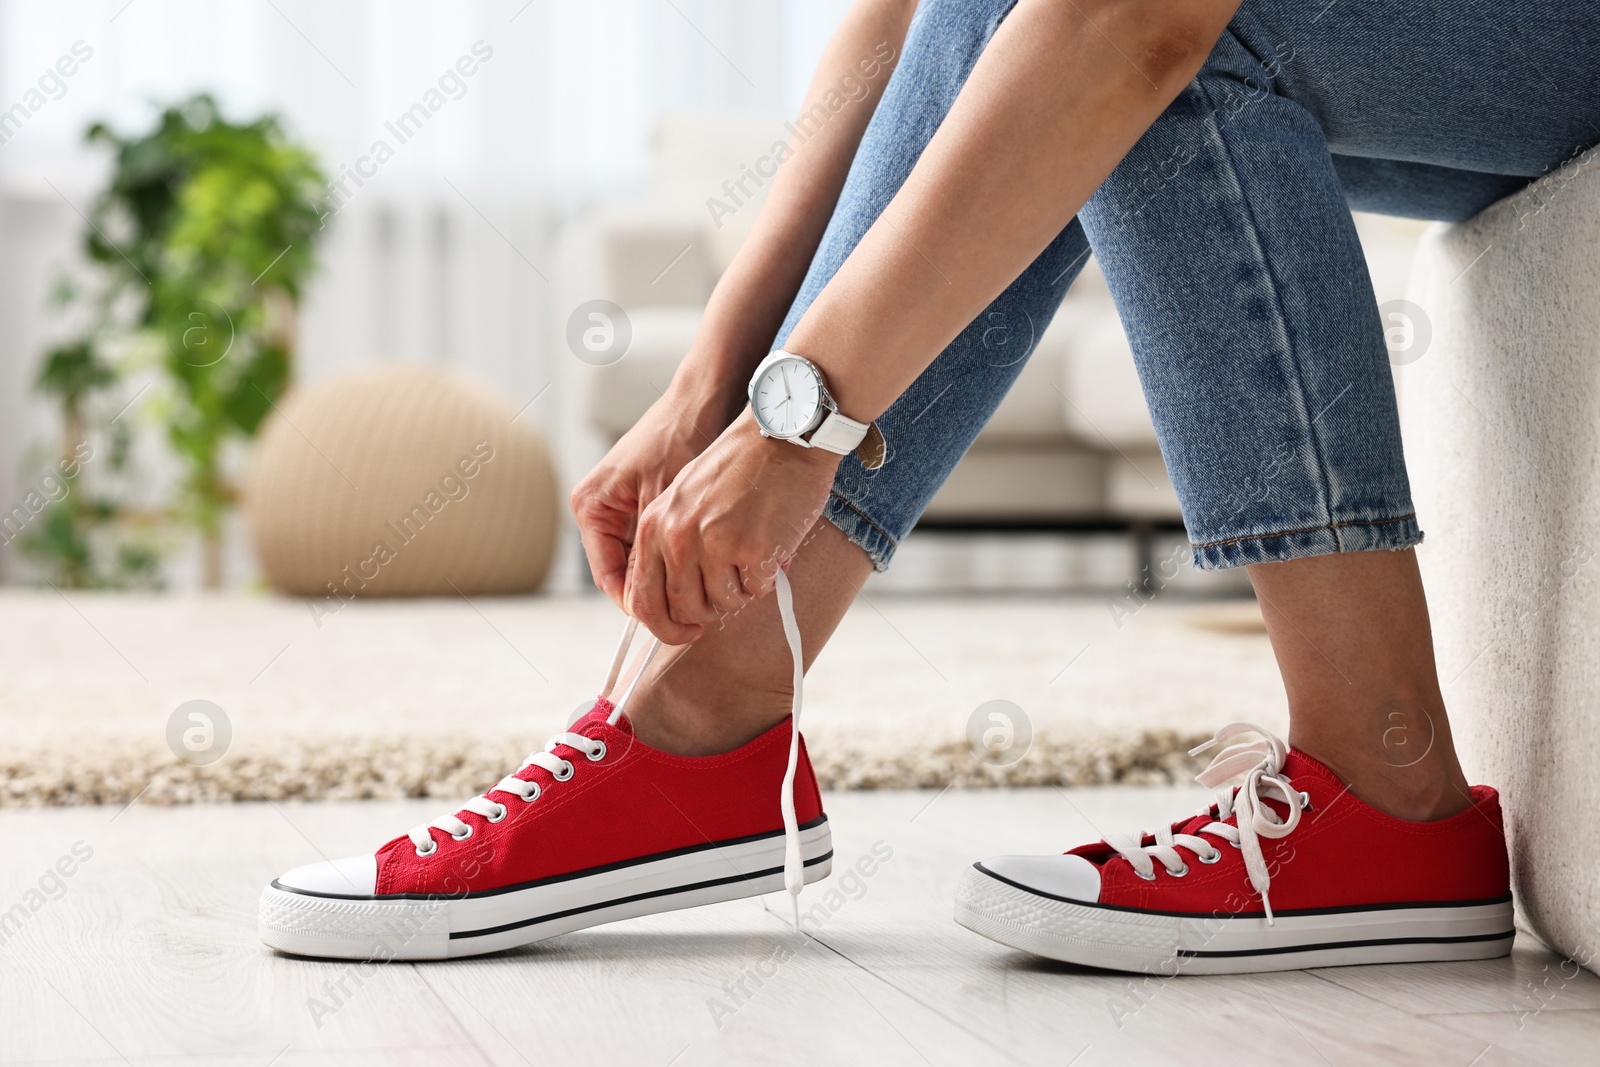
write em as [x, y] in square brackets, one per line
[1193, 824]
[1296, 765]
[601, 712]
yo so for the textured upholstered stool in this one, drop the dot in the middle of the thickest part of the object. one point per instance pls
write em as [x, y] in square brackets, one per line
[400, 481]
[1502, 428]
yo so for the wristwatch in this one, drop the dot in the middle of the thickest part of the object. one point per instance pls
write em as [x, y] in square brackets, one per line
[790, 400]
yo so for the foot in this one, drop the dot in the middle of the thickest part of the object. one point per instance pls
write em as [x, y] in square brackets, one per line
[597, 827]
[1288, 870]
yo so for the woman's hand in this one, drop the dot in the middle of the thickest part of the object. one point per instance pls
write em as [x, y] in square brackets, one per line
[609, 500]
[716, 536]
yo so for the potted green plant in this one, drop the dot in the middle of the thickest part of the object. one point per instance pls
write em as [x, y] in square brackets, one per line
[201, 247]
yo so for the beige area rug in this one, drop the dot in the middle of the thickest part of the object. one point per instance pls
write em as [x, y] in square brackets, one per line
[442, 697]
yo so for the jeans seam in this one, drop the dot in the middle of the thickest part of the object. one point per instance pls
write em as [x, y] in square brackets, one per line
[1309, 529]
[1283, 318]
[834, 493]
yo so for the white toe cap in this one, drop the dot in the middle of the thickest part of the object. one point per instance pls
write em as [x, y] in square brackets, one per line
[1066, 877]
[353, 877]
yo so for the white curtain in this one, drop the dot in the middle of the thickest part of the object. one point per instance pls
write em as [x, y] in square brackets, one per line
[564, 107]
[443, 250]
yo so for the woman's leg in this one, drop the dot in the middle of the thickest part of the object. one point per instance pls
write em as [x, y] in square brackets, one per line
[1351, 630]
[735, 683]
[1353, 642]
[1227, 240]
[1246, 297]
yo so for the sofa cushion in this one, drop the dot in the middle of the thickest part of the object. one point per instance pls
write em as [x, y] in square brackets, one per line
[1138, 486]
[1023, 482]
[616, 395]
[650, 257]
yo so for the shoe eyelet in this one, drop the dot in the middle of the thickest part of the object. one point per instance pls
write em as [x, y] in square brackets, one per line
[433, 846]
[1147, 877]
[1216, 854]
[500, 815]
[1180, 872]
[464, 835]
[532, 794]
[598, 753]
[560, 777]
[1305, 801]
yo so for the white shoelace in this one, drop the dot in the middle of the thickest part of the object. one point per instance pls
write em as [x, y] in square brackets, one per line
[1261, 763]
[562, 769]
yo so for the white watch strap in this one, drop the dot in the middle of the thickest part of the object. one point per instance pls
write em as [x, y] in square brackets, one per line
[838, 434]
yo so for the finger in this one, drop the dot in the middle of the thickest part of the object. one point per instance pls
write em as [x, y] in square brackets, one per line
[608, 562]
[686, 594]
[607, 533]
[646, 595]
[760, 578]
[727, 594]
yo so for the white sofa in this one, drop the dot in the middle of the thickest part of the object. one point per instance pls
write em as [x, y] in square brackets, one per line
[1072, 443]
[1502, 422]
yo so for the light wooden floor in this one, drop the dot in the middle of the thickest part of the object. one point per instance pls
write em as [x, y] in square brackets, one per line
[150, 956]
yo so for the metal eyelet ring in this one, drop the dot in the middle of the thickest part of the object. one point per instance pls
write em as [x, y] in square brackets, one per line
[1216, 854]
[598, 753]
[463, 835]
[500, 815]
[433, 846]
[1147, 877]
[532, 794]
[559, 776]
[1180, 872]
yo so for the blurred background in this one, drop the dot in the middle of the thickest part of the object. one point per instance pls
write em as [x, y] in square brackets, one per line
[213, 214]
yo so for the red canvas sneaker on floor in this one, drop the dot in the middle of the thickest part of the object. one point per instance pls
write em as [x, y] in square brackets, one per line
[597, 827]
[1288, 870]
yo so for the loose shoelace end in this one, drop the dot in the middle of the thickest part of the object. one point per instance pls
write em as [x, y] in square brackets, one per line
[794, 878]
[794, 868]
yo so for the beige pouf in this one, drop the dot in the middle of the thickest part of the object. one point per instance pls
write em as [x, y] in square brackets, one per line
[400, 481]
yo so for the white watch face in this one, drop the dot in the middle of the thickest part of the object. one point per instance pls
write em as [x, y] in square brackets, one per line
[787, 398]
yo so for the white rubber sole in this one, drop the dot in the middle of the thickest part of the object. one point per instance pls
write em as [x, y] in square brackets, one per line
[442, 927]
[1167, 944]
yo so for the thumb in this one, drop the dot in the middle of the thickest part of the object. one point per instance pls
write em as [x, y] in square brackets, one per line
[608, 563]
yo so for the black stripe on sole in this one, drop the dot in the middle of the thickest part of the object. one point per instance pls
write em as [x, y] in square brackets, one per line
[630, 899]
[1277, 912]
[1200, 954]
[554, 878]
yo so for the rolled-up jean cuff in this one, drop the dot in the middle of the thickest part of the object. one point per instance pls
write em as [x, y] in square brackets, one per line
[1354, 535]
[861, 530]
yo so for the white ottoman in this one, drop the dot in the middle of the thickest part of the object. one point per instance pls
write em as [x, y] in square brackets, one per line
[1501, 415]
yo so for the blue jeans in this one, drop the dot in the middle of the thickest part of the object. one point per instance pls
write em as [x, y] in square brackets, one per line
[1226, 238]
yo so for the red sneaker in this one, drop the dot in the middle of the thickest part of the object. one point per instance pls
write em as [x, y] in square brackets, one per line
[598, 826]
[1283, 872]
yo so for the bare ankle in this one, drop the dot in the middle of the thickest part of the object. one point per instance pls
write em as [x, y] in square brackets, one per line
[1429, 789]
[682, 713]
